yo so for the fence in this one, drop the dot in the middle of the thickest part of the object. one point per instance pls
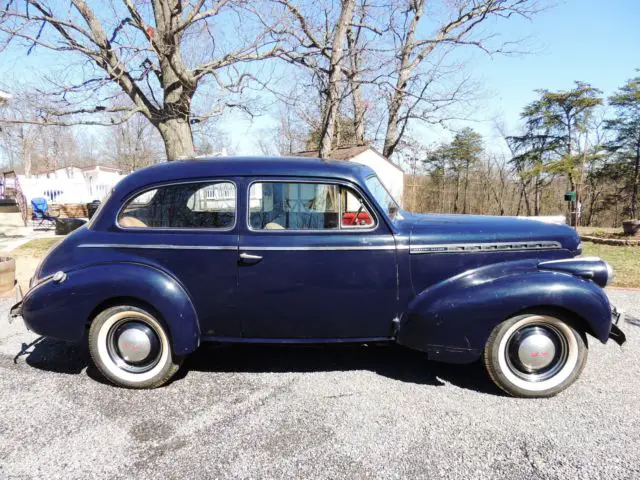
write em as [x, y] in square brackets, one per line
[62, 190]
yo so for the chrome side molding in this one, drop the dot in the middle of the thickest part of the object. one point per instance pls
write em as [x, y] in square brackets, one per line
[484, 247]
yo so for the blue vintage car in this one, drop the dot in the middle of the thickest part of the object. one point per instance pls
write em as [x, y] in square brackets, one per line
[291, 250]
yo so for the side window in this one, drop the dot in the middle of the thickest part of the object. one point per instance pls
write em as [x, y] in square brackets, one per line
[183, 206]
[305, 206]
[354, 211]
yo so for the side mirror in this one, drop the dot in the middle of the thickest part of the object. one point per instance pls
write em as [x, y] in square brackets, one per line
[393, 210]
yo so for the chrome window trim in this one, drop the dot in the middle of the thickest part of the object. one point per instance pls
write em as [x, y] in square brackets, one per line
[158, 246]
[417, 249]
[320, 247]
[324, 230]
[235, 248]
[484, 247]
[178, 229]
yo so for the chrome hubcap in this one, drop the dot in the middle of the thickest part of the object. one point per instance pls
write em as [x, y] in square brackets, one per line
[536, 349]
[134, 346]
[536, 352]
[134, 343]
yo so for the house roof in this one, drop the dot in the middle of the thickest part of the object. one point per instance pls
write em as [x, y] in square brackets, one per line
[345, 153]
[40, 171]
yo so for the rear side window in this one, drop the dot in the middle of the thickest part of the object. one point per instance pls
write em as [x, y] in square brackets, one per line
[306, 206]
[210, 205]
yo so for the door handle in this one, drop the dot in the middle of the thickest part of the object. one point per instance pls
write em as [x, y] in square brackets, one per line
[249, 259]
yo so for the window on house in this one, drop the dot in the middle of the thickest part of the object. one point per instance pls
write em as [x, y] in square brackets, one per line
[185, 205]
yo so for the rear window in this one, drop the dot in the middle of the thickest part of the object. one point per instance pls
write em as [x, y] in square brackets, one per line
[210, 205]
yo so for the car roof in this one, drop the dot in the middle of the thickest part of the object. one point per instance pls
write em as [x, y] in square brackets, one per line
[242, 166]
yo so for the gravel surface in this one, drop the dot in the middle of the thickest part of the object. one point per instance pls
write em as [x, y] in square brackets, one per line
[334, 412]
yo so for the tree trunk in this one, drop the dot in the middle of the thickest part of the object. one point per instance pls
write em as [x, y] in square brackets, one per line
[392, 136]
[636, 180]
[466, 187]
[457, 195]
[354, 84]
[333, 90]
[178, 141]
[405, 69]
[26, 152]
[536, 205]
[358, 113]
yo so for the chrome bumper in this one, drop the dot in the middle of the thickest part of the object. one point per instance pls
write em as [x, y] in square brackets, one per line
[617, 317]
[16, 310]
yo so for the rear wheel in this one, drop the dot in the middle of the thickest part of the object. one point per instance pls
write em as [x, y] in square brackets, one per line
[131, 348]
[535, 355]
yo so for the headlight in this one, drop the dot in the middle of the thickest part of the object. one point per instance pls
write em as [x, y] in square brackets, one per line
[611, 273]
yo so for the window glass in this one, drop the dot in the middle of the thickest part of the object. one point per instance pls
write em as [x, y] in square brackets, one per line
[185, 205]
[354, 211]
[305, 206]
[293, 206]
[384, 198]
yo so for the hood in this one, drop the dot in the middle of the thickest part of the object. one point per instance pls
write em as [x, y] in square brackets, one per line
[436, 229]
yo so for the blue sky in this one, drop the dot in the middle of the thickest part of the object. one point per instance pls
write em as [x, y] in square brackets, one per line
[590, 40]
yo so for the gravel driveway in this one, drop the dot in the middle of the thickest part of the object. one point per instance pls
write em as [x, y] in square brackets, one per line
[336, 412]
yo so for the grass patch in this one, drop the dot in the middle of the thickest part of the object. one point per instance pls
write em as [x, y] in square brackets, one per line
[625, 261]
[602, 232]
[36, 248]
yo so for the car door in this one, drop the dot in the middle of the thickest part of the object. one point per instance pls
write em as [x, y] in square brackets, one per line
[316, 261]
[188, 229]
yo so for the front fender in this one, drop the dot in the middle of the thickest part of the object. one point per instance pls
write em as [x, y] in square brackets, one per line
[62, 310]
[459, 314]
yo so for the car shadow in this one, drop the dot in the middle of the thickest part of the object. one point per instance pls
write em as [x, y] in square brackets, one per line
[390, 361]
[58, 356]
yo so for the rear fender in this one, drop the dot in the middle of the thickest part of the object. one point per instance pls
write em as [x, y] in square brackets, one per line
[459, 314]
[62, 310]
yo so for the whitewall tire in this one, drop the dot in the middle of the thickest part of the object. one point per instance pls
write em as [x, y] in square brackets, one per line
[537, 354]
[131, 348]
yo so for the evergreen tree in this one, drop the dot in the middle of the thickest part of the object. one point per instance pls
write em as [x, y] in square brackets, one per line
[626, 144]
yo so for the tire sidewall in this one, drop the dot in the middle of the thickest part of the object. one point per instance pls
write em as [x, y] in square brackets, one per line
[98, 337]
[496, 351]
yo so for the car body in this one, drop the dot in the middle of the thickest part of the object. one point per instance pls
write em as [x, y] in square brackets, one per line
[299, 250]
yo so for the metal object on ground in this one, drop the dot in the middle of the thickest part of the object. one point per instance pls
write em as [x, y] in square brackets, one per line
[7, 274]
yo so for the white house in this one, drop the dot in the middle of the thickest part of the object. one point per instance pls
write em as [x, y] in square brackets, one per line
[71, 185]
[391, 175]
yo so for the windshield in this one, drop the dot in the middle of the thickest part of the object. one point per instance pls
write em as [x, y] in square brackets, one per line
[383, 197]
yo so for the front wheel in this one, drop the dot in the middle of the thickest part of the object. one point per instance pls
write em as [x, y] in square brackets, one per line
[535, 355]
[131, 348]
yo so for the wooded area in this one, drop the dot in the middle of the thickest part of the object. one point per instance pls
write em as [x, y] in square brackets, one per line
[163, 74]
[571, 141]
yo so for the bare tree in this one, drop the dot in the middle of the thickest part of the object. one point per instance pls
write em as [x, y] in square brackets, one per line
[315, 40]
[414, 89]
[151, 57]
[133, 145]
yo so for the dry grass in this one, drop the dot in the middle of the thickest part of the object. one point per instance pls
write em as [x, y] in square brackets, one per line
[602, 232]
[625, 261]
[36, 248]
[28, 257]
